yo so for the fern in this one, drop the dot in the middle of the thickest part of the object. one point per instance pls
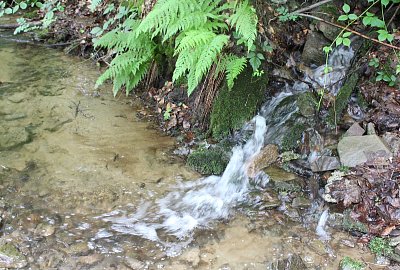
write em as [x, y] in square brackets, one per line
[200, 31]
[245, 21]
[234, 66]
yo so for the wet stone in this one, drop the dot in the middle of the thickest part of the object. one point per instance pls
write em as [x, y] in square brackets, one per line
[77, 248]
[17, 98]
[134, 263]
[55, 124]
[90, 259]
[293, 262]
[301, 202]
[44, 230]
[192, 256]
[325, 163]
[13, 137]
[11, 258]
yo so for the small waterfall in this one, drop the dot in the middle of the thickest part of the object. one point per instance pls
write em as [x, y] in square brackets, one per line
[197, 204]
[194, 204]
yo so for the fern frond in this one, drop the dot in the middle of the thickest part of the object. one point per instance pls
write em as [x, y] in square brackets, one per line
[245, 21]
[185, 61]
[234, 66]
[194, 20]
[193, 39]
[209, 55]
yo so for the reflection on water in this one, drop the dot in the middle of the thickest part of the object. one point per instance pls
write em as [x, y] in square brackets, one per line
[70, 153]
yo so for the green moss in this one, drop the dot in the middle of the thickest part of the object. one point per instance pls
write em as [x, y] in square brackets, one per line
[380, 246]
[342, 99]
[10, 250]
[208, 161]
[293, 137]
[234, 107]
[307, 104]
[348, 263]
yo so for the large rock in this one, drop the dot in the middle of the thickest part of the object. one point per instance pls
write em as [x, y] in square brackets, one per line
[11, 258]
[356, 150]
[312, 52]
[325, 163]
[267, 156]
[355, 130]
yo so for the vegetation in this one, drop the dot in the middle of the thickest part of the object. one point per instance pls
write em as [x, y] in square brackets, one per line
[292, 138]
[234, 107]
[348, 263]
[199, 31]
[208, 161]
[380, 246]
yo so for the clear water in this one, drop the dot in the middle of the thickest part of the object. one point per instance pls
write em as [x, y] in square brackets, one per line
[82, 161]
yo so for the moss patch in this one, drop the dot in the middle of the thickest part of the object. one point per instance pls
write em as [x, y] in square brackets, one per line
[234, 107]
[292, 138]
[348, 263]
[208, 161]
[342, 99]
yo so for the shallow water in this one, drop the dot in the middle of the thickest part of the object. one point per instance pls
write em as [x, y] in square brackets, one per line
[71, 153]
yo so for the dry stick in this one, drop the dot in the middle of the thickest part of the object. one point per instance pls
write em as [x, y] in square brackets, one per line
[394, 15]
[312, 6]
[347, 29]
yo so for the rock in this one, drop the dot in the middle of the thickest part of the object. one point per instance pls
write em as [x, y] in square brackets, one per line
[394, 241]
[306, 103]
[371, 129]
[44, 230]
[13, 137]
[90, 259]
[395, 257]
[16, 116]
[77, 249]
[393, 141]
[329, 31]
[325, 163]
[397, 250]
[10, 257]
[354, 130]
[17, 98]
[301, 202]
[382, 261]
[312, 52]
[356, 150]
[267, 156]
[293, 262]
[277, 174]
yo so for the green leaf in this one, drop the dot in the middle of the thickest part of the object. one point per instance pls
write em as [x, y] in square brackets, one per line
[346, 34]
[353, 17]
[346, 8]
[385, 2]
[339, 41]
[96, 31]
[39, 4]
[343, 18]
[260, 56]
[327, 49]
[346, 42]
[255, 63]
[23, 5]
[15, 9]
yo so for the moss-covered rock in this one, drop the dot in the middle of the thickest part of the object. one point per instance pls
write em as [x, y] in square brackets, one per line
[348, 263]
[292, 138]
[234, 107]
[349, 224]
[307, 104]
[342, 99]
[208, 161]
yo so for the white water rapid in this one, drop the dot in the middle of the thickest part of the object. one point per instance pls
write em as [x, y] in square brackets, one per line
[197, 204]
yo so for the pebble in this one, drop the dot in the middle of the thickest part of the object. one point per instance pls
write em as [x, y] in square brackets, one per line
[134, 263]
[44, 230]
[90, 259]
[17, 98]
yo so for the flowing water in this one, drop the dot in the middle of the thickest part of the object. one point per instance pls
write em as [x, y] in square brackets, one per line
[84, 184]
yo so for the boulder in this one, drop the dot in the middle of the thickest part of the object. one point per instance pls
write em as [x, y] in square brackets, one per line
[312, 52]
[267, 156]
[356, 150]
[325, 163]
[329, 31]
[355, 130]
[393, 141]
[11, 257]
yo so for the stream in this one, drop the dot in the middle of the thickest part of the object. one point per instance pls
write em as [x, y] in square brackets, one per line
[85, 184]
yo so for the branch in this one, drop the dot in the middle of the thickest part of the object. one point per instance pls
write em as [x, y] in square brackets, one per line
[347, 29]
[311, 6]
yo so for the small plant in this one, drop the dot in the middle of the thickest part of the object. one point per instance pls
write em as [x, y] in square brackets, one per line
[167, 113]
[374, 62]
[348, 263]
[285, 16]
[344, 169]
[380, 246]
[387, 77]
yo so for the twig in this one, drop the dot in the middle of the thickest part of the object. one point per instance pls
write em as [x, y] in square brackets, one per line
[311, 6]
[394, 15]
[350, 30]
